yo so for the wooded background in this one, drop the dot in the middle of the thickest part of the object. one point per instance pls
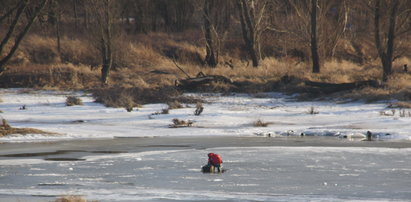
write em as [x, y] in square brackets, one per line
[302, 31]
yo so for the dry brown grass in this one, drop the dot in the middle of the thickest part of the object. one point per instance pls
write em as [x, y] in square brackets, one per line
[65, 76]
[344, 72]
[399, 81]
[400, 105]
[398, 87]
[40, 50]
[6, 129]
[115, 97]
[78, 52]
[368, 94]
[71, 198]
[144, 56]
[145, 61]
[260, 123]
[73, 100]
[174, 105]
[37, 49]
[125, 97]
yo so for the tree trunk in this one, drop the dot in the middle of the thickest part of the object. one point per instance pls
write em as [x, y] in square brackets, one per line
[11, 11]
[21, 35]
[386, 56]
[106, 50]
[314, 46]
[12, 28]
[105, 70]
[211, 57]
[247, 27]
[391, 40]
[58, 31]
[106, 55]
[86, 19]
[75, 14]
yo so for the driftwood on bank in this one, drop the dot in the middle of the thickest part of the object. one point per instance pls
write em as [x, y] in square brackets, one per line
[336, 87]
[201, 79]
[177, 123]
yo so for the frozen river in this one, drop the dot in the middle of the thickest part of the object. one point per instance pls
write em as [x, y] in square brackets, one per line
[109, 154]
[168, 169]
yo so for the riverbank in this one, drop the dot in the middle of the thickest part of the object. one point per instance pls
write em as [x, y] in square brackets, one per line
[237, 115]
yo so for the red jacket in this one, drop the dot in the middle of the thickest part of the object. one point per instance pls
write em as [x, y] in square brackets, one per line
[214, 159]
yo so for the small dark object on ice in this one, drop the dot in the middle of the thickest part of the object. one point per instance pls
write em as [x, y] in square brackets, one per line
[210, 169]
[23, 107]
[199, 109]
[177, 123]
[129, 108]
[79, 121]
[73, 100]
[369, 136]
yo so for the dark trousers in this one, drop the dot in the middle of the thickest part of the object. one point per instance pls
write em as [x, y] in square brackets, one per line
[218, 166]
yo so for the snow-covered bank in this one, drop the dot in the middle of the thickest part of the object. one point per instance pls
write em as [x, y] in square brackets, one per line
[222, 116]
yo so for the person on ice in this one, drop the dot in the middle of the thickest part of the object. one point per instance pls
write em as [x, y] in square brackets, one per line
[215, 160]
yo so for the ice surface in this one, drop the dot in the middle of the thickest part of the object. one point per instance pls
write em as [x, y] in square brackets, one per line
[272, 173]
[254, 174]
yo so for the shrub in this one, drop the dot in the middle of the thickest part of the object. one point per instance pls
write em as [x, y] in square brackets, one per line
[177, 123]
[399, 105]
[64, 76]
[129, 108]
[260, 123]
[71, 199]
[163, 111]
[123, 97]
[78, 51]
[199, 109]
[41, 50]
[73, 100]
[174, 105]
[313, 111]
[6, 124]
[6, 129]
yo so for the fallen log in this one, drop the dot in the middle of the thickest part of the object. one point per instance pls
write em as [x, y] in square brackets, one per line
[200, 80]
[336, 87]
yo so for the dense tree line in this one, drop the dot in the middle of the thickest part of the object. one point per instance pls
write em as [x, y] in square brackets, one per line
[310, 29]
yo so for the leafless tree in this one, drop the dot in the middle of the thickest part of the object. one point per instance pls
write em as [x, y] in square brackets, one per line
[211, 58]
[103, 20]
[391, 20]
[316, 24]
[54, 18]
[252, 18]
[18, 28]
[216, 21]
[313, 37]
